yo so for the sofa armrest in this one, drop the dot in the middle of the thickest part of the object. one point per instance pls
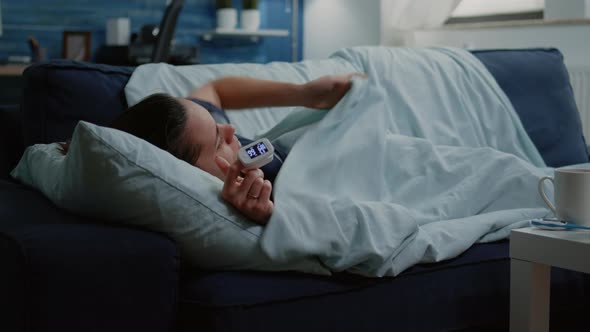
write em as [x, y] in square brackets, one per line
[86, 277]
[11, 143]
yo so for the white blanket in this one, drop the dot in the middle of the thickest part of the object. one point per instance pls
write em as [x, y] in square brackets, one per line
[415, 164]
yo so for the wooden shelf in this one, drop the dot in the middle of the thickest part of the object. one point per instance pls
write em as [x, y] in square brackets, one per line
[253, 34]
[12, 69]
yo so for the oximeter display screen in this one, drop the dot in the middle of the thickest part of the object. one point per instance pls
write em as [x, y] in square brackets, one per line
[257, 150]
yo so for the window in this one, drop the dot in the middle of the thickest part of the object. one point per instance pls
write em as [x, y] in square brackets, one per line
[472, 11]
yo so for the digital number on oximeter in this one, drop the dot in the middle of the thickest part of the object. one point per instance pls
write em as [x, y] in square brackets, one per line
[256, 154]
[258, 150]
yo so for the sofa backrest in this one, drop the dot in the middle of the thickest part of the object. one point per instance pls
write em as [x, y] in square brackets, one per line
[59, 93]
[537, 83]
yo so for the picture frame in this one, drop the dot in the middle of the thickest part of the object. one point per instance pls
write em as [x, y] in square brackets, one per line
[76, 45]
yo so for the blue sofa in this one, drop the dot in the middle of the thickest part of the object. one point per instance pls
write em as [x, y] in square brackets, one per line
[62, 272]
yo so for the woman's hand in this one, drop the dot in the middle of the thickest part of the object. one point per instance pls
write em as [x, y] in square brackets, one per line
[250, 193]
[325, 92]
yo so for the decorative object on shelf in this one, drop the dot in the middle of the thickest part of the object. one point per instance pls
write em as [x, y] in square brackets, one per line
[76, 45]
[37, 53]
[250, 17]
[227, 15]
[254, 36]
[118, 31]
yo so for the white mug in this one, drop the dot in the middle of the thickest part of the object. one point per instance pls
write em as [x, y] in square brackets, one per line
[572, 195]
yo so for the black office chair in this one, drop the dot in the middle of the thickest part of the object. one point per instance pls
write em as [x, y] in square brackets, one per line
[166, 31]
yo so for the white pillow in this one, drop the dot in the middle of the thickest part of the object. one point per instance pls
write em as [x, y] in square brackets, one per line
[114, 176]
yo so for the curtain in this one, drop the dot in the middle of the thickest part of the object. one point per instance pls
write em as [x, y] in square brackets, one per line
[400, 17]
[419, 14]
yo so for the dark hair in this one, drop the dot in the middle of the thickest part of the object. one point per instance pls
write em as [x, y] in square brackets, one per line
[159, 119]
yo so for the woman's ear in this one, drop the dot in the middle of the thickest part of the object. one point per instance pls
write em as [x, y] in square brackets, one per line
[222, 164]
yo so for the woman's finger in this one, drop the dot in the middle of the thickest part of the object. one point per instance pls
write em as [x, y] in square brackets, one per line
[256, 188]
[265, 191]
[249, 179]
[223, 164]
[232, 182]
[234, 170]
[358, 74]
[262, 211]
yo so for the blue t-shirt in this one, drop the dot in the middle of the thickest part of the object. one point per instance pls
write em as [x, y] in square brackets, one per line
[271, 169]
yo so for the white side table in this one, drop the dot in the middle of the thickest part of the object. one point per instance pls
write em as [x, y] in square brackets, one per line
[532, 254]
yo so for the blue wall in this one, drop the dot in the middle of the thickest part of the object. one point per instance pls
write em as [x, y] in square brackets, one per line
[47, 19]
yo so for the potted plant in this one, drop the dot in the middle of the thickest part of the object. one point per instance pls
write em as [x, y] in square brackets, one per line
[250, 17]
[227, 15]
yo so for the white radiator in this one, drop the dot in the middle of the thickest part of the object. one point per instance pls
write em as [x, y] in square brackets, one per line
[580, 79]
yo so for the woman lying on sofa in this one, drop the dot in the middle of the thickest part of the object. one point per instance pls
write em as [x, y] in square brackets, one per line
[196, 130]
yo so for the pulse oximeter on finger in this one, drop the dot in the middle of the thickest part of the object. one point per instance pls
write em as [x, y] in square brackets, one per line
[256, 154]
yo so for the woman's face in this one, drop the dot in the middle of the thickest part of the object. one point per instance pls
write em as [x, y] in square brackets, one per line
[216, 140]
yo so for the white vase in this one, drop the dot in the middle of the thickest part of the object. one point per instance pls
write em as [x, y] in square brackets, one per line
[250, 19]
[227, 18]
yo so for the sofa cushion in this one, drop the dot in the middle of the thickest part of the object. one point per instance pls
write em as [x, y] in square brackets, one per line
[537, 83]
[111, 175]
[59, 93]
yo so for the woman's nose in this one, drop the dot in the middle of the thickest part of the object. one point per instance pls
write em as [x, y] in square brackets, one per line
[228, 133]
